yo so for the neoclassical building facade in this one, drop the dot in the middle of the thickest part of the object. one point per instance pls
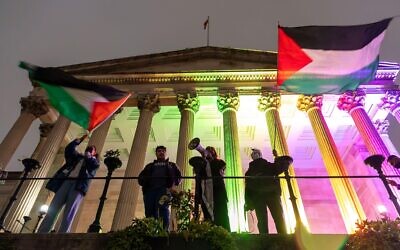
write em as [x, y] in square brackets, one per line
[229, 99]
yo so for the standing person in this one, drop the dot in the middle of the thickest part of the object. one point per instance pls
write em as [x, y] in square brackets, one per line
[203, 195]
[156, 180]
[261, 193]
[69, 193]
[210, 187]
[220, 196]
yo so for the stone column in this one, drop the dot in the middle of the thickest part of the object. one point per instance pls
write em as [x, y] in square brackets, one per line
[383, 128]
[228, 104]
[349, 204]
[269, 102]
[127, 200]
[44, 129]
[97, 139]
[31, 108]
[391, 102]
[188, 105]
[45, 156]
[353, 103]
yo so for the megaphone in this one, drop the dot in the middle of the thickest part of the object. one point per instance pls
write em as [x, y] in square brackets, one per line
[195, 144]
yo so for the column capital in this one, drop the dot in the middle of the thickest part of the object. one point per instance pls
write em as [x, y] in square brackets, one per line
[227, 101]
[350, 100]
[391, 101]
[382, 126]
[149, 102]
[308, 102]
[34, 105]
[188, 101]
[269, 100]
[45, 129]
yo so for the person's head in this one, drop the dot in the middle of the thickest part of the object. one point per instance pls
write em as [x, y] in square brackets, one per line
[212, 152]
[393, 160]
[90, 151]
[255, 154]
[161, 152]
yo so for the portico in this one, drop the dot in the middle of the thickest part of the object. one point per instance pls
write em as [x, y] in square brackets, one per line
[214, 94]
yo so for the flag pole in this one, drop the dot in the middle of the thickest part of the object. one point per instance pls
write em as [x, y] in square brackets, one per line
[208, 31]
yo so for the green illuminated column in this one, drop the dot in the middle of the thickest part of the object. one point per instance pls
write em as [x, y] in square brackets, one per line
[127, 200]
[228, 104]
[346, 196]
[188, 105]
[269, 103]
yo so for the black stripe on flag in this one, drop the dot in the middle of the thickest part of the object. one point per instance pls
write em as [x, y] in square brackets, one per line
[55, 76]
[336, 37]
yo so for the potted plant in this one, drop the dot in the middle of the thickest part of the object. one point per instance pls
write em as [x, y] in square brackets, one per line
[380, 234]
[111, 159]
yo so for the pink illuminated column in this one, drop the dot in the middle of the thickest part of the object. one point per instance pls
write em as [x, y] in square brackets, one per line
[32, 107]
[188, 105]
[269, 102]
[127, 200]
[349, 204]
[353, 103]
[391, 102]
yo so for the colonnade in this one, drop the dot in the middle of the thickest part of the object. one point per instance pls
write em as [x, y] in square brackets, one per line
[228, 104]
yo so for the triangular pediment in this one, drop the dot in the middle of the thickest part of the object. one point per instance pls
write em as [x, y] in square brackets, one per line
[195, 59]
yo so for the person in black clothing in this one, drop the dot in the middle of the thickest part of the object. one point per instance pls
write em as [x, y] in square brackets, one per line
[211, 193]
[220, 196]
[261, 193]
[156, 180]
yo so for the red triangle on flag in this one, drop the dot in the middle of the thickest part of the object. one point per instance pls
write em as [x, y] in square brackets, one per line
[291, 58]
[102, 110]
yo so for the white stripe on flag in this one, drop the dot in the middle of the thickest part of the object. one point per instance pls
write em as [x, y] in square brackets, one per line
[85, 98]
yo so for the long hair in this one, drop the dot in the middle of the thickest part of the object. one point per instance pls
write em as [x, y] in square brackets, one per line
[213, 152]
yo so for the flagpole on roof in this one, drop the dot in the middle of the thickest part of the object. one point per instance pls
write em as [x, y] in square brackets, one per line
[206, 25]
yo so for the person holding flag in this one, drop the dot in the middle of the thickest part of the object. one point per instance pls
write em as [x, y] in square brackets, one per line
[69, 192]
[88, 104]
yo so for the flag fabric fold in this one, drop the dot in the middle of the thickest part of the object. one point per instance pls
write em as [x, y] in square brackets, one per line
[328, 59]
[205, 24]
[85, 103]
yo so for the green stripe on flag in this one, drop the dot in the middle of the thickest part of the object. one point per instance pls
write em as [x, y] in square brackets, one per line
[67, 105]
[310, 84]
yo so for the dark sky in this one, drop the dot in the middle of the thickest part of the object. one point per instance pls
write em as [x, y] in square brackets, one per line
[59, 32]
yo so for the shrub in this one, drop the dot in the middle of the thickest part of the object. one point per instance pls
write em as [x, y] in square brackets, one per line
[379, 234]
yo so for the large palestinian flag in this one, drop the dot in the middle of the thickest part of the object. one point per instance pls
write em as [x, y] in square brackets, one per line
[328, 59]
[86, 103]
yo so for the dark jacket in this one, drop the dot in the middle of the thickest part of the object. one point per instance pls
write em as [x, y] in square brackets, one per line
[257, 187]
[72, 157]
[173, 175]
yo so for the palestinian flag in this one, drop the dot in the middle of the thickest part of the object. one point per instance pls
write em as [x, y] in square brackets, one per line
[85, 103]
[328, 59]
